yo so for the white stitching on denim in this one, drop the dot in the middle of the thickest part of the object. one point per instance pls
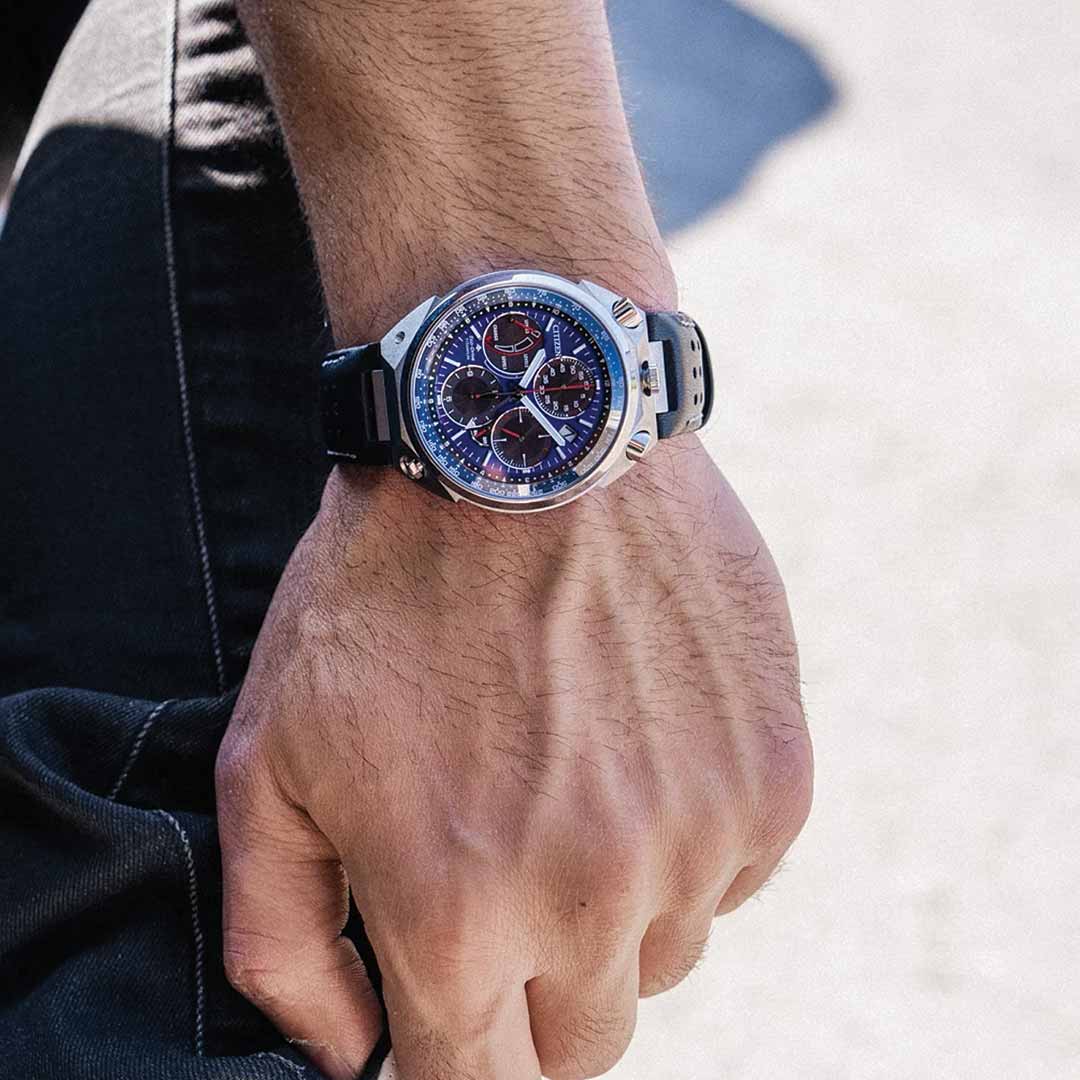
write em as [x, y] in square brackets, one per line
[291, 1065]
[136, 746]
[172, 23]
[196, 929]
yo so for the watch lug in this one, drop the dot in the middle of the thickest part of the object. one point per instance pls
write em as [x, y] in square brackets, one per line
[618, 467]
[605, 296]
[394, 348]
[395, 345]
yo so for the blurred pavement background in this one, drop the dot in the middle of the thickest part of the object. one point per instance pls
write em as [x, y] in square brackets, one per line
[893, 297]
[873, 209]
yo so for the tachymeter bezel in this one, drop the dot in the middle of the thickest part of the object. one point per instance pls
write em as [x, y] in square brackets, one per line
[576, 304]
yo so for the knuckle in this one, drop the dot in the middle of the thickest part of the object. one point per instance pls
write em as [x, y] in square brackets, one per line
[674, 969]
[705, 834]
[706, 848]
[588, 1044]
[235, 772]
[251, 973]
[446, 958]
[606, 906]
[228, 767]
[460, 1000]
[449, 952]
[605, 884]
[787, 795]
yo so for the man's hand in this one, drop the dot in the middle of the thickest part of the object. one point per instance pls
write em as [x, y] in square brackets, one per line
[544, 752]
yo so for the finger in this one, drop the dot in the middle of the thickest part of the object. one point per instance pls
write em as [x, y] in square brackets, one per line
[582, 1025]
[747, 882]
[450, 1029]
[672, 947]
[285, 905]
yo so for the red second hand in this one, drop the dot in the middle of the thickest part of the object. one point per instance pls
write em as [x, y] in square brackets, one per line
[531, 390]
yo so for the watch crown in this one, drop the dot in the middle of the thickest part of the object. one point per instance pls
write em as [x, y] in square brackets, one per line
[652, 378]
[412, 467]
[626, 313]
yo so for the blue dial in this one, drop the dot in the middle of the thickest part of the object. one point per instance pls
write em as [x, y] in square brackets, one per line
[517, 392]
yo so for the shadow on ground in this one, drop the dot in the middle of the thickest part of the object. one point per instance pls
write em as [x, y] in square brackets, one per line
[709, 89]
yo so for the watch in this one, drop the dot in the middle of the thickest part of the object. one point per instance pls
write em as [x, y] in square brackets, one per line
[517, 391]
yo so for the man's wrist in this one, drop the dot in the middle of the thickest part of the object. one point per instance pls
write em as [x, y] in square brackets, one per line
[427, 153]
[674, 487]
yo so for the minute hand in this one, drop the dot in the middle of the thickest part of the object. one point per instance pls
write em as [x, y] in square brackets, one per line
[542, 420]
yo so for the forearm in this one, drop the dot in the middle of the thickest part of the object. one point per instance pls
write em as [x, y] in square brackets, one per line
[438, 139]
[591, 712]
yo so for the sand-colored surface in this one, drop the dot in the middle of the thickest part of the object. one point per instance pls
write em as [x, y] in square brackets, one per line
[895, 303]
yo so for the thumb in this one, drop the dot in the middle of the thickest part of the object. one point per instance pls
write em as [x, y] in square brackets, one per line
[286, 901]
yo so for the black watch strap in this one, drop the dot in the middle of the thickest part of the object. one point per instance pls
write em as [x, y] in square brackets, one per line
[358, 395]
[687, 372]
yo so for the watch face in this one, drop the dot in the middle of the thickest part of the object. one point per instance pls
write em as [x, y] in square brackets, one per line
[517, 393]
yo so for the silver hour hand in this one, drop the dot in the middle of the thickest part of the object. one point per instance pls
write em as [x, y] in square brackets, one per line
[543, 421]
[533, 368]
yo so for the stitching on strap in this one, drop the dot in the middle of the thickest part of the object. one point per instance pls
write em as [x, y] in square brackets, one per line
[136, 746]
[169, 104]
[196, 930]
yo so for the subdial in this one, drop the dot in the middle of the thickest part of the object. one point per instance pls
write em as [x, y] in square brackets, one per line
[519, 440]
[470, 395]
[511, 341]
[564, 387]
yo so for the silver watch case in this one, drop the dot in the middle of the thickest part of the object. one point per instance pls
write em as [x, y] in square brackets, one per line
[646, 392]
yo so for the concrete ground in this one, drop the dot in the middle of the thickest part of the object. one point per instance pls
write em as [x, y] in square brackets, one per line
[894, 304]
